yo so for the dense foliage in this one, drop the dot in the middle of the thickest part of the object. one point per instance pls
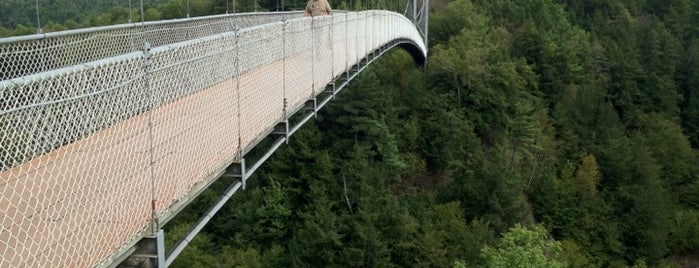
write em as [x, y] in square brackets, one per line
[575, 118]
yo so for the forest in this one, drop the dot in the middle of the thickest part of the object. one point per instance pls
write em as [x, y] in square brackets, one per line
[540, 133]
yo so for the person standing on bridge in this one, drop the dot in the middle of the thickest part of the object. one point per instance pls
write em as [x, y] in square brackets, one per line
[317, 8]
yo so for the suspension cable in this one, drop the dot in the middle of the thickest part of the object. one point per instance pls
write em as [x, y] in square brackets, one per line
[284, 112]
[143, 16]
[151, 103]
[38, 21]
[313, 56]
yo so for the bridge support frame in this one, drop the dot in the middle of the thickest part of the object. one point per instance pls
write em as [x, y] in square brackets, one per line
[282, 129]
[237, 170]
[194, 230]
[312, 106]
[150, 252]
[330, 89]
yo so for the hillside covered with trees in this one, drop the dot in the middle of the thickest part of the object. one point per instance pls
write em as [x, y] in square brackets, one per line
[541, 133]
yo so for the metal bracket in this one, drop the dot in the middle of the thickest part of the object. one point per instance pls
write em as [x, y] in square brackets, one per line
[282, 129]
[237, 170]
[330, 89]
[150, 252]
[312, 105]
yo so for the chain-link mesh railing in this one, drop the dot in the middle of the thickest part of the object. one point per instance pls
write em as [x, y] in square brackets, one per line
[25, 55]
[110, 133]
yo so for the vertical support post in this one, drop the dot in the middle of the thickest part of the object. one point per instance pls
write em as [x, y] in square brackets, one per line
[284, 112]
[143, 16]
[372, 32]
[366, 35]
[160, 251]
[332, 48]
[237, 90]
[426, 14]
[347, 45]
[38, 20]
[414, 11]
[356, 53]
[313, 56]
[151, 144]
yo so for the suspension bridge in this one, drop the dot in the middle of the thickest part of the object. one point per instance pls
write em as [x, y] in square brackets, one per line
[107, 133]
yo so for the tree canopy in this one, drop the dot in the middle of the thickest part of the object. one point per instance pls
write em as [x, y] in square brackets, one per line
[542, 133]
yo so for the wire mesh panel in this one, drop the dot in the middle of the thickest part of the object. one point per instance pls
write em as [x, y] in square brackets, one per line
[246, 20]
[322, 53]
[75, 164]
[194, 120]
[298, 66]
[59, 107]
[352, 39]
[361, 35]
[339, 38]
[170, 32]
[382, 28]
[372, 29]
[25, 55]
[41, 54]
[261, 86]
[97, 142]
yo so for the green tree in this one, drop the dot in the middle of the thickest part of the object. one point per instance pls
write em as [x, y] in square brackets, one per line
[457, 15]
[274, 213]
[444, 235]
[640, 199]
[587, 176]
[685, 230]
[689, 84]
[522, 247]
[319, 237]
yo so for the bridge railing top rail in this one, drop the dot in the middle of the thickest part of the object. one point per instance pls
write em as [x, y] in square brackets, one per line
[25, 55]
[24, 38]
